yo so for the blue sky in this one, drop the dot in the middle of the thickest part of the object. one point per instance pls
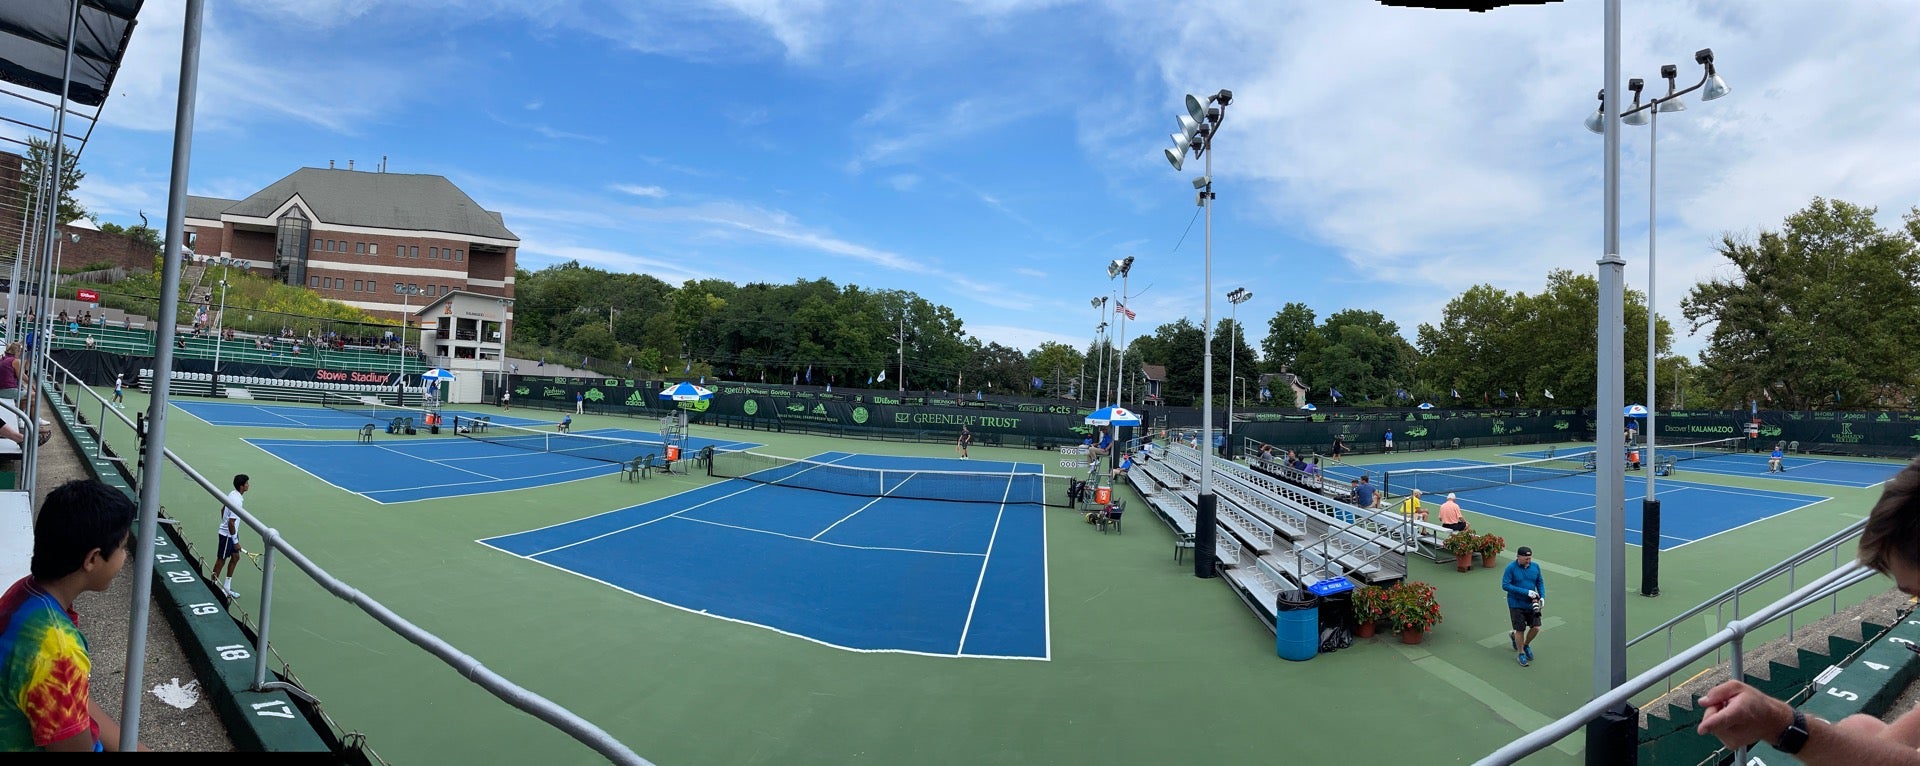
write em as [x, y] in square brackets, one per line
[993, 156]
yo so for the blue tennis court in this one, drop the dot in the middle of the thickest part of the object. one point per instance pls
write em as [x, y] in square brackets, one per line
[290, 416]
[869, 574]
[404, 469]
[1840, 472]
[1689, 511]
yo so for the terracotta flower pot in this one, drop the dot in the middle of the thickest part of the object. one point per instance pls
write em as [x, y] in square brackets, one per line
[1489, 560]
[1463, 561]
[1364, 630]
[1412, 635]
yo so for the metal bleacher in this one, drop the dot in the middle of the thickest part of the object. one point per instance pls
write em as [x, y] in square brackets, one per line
[1275, 535]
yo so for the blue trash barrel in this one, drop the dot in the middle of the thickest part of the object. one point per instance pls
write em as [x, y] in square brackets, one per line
[1296, 625]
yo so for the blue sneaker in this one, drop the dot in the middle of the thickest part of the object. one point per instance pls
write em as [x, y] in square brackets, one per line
[1522, 658]
[1529, 654]
[1514, 641]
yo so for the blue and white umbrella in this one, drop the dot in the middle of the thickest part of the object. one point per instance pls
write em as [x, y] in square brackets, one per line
[1426, 405]
[1113, 416]
[436, 374]
[686, 392]
[1308, 407]
[1636, 411]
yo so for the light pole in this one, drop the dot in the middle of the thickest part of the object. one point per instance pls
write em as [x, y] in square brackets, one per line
[406, 292]
[220, 322]
[1649, 115]
[1197, 129]
[1120, 267]
[1238, 296]
[1099, 342]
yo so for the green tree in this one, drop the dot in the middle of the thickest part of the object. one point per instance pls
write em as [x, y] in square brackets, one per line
[1058, 366]
[36, 167]
[1287, 333]
[1361, 354]
[1816, 315]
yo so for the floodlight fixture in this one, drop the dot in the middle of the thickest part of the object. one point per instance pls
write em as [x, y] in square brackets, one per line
[1240, 295]
[1597, 122]
[1100, 302]
[1634, 115]
[1176, 159]
[1119, 267]
[1196, 108]
[1716, 87]
[1202, 182]
[1671, 102]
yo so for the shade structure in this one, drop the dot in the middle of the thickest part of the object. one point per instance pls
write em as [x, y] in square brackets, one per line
[1426, 405]
[1113, 416]
[1308, 407]
[686, 392]
[1636, 411]
[436, 374]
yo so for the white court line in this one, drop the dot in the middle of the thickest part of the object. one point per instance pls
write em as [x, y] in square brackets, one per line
[598, 466]
[384, 448]
[985, 561]
[738, 621]
[751, 487]
[756, 530]
[870, 503]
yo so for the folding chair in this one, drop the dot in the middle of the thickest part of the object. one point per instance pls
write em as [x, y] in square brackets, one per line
[366, 434]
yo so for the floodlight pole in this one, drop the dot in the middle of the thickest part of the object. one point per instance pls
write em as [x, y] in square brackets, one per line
[1238, 296]
[1605, 734]
[1205, 521]
[154, 447]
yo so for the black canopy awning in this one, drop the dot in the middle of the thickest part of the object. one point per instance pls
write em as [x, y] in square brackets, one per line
[33, 45]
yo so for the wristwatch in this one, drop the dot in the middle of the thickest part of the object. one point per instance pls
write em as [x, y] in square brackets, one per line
[1795, 735]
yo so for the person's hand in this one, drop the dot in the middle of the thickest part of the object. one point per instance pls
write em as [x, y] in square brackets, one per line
[1533, 594]
[1740, 715]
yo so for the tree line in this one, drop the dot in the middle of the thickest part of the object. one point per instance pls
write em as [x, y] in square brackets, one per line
[1813, 315]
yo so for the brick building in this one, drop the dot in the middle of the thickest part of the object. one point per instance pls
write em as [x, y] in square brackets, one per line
[361, 238]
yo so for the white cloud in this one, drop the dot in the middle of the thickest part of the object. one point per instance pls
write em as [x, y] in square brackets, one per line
[637, 190]
[903, 182]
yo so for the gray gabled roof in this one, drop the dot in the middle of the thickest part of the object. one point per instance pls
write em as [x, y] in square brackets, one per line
[208, 208]
[378, 200]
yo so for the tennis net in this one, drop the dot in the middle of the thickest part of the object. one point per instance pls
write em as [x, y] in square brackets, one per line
[1442, 480]
[371, 408]
[602, 448]
[951, 486]
[1696, 450]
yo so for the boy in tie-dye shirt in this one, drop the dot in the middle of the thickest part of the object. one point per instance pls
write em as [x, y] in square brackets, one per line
[80, 542]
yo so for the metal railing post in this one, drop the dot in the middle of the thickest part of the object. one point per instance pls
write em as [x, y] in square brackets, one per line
[260, 645]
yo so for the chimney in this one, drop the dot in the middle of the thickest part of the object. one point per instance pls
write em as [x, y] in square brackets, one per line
[349, 164]
[329, 164]
[383, 163]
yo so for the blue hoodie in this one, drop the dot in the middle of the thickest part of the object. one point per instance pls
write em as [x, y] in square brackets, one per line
[1518, 580]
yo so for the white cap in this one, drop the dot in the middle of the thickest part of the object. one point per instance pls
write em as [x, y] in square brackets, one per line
[1449, 495]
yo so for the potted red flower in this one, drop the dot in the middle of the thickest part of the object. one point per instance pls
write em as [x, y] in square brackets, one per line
[1490, 547]
[1369, 607]
[1462, 544]
[1413, 609]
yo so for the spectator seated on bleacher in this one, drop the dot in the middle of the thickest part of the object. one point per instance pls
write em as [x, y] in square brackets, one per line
[1146, 449]
[1126, 464]
[91, 343]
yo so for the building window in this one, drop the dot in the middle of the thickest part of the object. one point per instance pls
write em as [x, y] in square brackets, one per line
[459, 255]
[359, 248]
[373, 248]
[434, 253]
[313, 281]
[430, 291]
[358, 285]
[317, 242]
[413, 251]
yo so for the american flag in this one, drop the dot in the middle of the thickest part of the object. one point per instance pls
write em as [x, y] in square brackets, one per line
[1122, 308]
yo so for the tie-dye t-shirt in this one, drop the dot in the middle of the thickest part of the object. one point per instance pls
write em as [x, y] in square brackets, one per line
[43, 670]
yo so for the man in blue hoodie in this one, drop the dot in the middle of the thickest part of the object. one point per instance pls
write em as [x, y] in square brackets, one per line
[1526, 595]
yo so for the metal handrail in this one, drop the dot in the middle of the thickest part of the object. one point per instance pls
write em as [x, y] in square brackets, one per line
[1832, 541]
[513, 694]
[1539, 739]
